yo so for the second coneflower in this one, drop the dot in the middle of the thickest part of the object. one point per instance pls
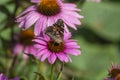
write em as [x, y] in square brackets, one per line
[46, 13]
[114, 73]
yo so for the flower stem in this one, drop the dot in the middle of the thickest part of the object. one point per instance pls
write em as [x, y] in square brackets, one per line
[12, 66]
[39, 70]
[52, 72]
[60, 73]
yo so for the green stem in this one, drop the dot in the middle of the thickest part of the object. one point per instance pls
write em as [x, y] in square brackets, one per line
[52, 72]
[12, 66]
[39, 70]
[60, 73]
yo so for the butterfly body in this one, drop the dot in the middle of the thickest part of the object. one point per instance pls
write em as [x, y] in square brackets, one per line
[56, 31]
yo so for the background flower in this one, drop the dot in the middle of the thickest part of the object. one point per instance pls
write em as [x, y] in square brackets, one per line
[114, 73]
[24, 43]
[46, 13]
[3, 77]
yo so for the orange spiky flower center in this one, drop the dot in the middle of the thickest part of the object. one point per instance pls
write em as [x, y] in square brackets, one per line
[55, 47]
[26, 37]
[49, 7]
[117, 77]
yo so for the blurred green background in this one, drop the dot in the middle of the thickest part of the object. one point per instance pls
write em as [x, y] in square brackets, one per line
[99, 38]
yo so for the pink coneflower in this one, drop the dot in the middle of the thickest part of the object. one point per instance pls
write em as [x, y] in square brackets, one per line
[47, 48]
[4, 77]
[24, 43]
[114, 73]
[46, 13]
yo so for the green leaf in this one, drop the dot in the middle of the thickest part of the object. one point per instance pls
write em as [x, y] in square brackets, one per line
[6, 34]
[103, 18]
[95, 59]
[41, 77]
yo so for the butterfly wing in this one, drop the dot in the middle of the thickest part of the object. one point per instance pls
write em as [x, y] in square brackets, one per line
[56, 32]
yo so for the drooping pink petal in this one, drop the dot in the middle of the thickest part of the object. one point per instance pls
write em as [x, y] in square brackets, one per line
[66, 20]
[25, 56]
[69, 58]
[66, 29]
[67, 36]
[37, 46]
[30, 49]
[72, 45]
[44, 23]
[70, 40]
[66, 59]
[40, 37]
[70, 4]
[31, 8]
[52, 58]
[73, 20]
[50, 21]
[46, 37]
[75, 52]
[40, 41]
[45, 55]
[27, 49]
[21, 19]
[70, 8]
[18, 48]
[73, 13]
[31, 19]
[41, 52]
[60, 57]
[21, 24]
[40, 25]
[55, 18]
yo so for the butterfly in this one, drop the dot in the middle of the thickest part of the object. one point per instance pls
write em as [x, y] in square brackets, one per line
[56, 31]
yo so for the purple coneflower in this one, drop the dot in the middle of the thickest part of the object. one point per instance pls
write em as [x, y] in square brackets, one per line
[4, 77]
[114, 73]
[24, 43]
[46, 13]
[47, 48]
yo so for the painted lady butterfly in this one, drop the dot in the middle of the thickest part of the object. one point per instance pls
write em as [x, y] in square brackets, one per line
[56, 31]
